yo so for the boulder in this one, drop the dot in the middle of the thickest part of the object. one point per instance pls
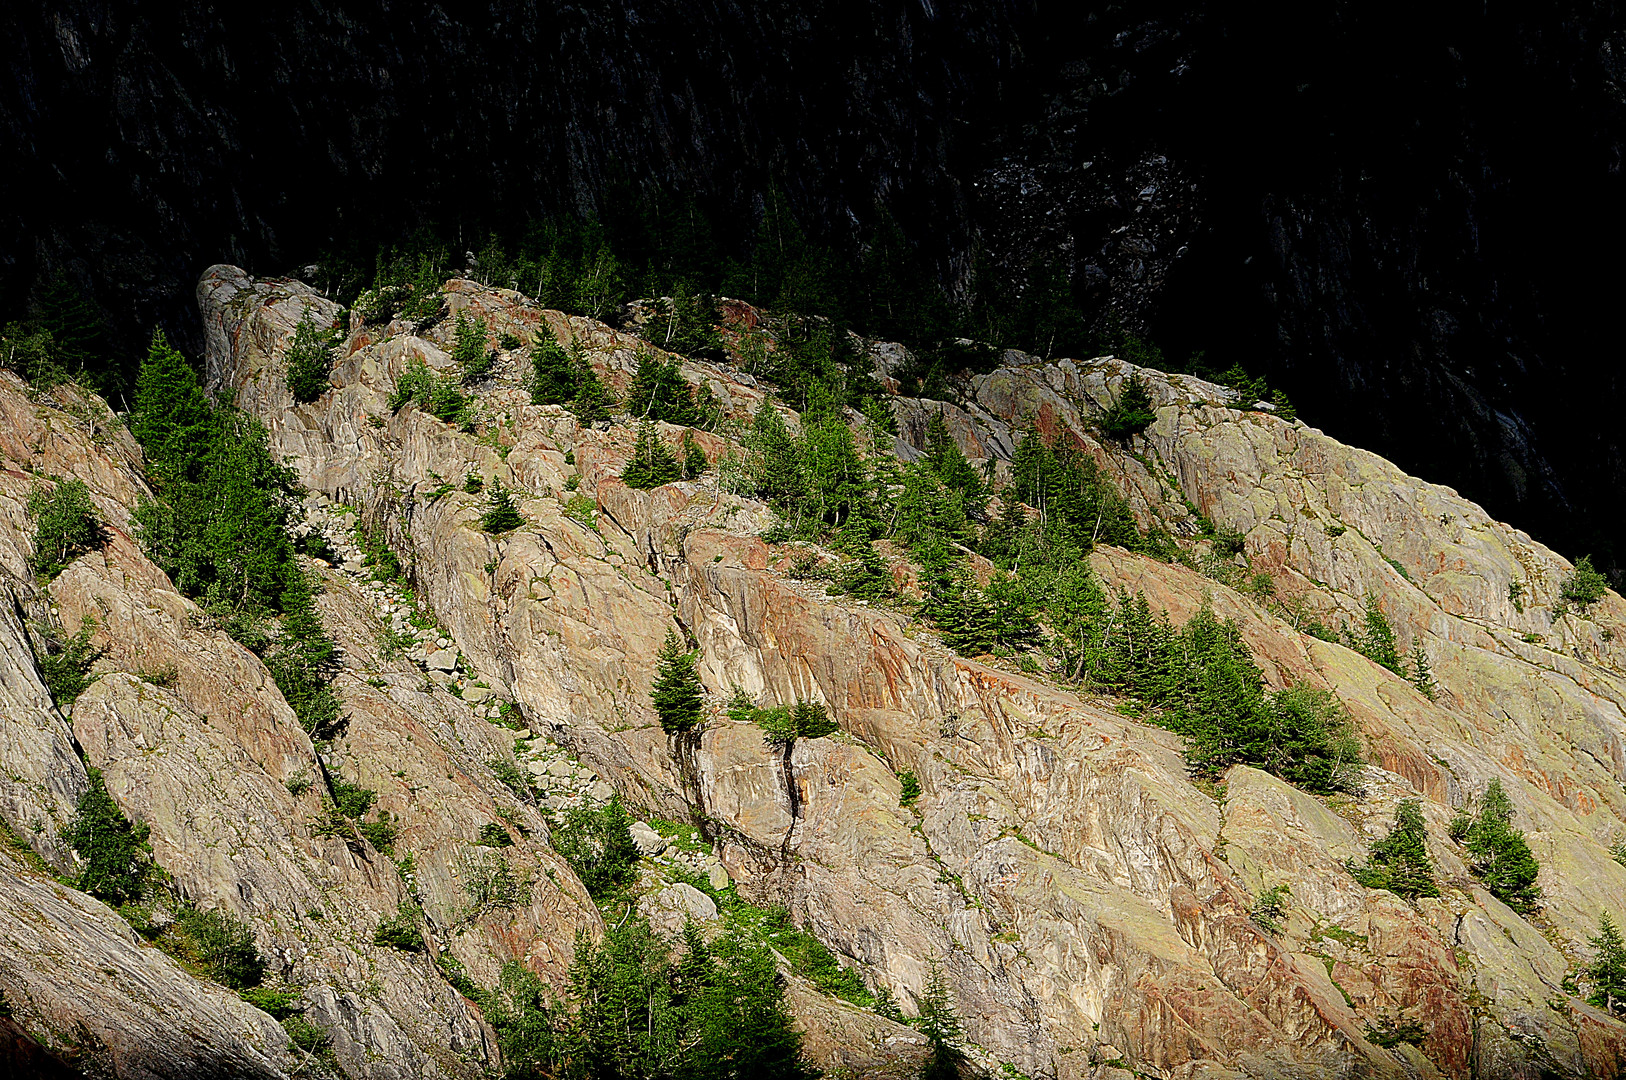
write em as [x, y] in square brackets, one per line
[647, 840]
[671, 907]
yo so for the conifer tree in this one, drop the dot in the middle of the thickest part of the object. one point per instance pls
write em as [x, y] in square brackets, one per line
[940, 1023]
[1131, 414]
[1399, 862]
[945, 458]
[1498, 853]
[172, 420]
[652, 463]
[1422, 676]
[117, 857]
[1375, 639]
[1585, 586]
[75, 325]
[676, 692]
[469, 346]
[775, 464]
[501, 513]
[694, 458]
[310, 361]
[1608, 968]
[659, 391]
[553, 373]
[593, 401]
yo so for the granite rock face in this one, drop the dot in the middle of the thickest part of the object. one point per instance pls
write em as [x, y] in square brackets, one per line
[1091, 908]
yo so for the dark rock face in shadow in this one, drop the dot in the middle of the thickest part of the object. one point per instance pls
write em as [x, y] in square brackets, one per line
[1409, 226]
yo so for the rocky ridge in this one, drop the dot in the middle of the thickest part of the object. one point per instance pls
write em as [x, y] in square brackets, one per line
[1091, 907]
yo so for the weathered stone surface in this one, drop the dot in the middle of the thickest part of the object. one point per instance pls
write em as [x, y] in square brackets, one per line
[648, 841]
[671, 907]
[1087, 903]
[76, 977]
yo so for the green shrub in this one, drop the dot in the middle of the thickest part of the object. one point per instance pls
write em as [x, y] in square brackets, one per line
[910, 787]
[118, 859]
[310, 361]
[381, 833]
[1498, 853]
[511, 777]
[502, 513]
[1399, 862]
[281, 1004]
[778, 726]
[472, 484]
[1390, 1033]
[221, 944]
[64, 663]
[435, 394]
[597, 843]
[584, 509]
[491, 884]
[1585, 586]
[676, 692]
[400, 931]
[816, 963]
[1228, 541]
[494, 835]
[306, 1035]
[1270, 908]
[353, 800]
[66, 526]
[1131, 414]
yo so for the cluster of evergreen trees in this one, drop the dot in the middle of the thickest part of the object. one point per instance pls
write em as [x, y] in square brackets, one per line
[218, 527]
[666, 249]
[637, 1010]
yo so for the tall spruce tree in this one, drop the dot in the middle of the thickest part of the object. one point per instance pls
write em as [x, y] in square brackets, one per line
[676, 692]
[1497, 852]
[1608, 968]
[171, 419]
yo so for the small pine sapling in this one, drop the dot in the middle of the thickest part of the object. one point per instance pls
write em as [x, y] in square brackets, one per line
[310, 361]
[652, 463]
[694, 458]
[1399, 862]
[502, 514]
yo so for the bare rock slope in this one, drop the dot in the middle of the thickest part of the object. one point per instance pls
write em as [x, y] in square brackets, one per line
[1091, 907]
